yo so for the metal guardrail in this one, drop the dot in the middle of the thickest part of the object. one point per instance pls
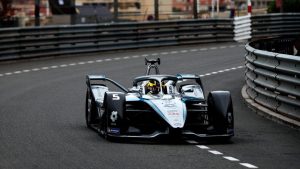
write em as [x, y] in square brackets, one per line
[267, 25]
[270, 25]
[18, 43]
[273, 76]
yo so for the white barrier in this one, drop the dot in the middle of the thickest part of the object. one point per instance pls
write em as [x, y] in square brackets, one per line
[242, 28]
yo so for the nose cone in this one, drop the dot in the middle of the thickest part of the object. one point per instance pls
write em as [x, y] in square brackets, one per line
[172, 111]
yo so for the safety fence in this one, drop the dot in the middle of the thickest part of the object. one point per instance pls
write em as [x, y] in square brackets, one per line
[271, 25]
[273, 75]
[267, 25]
[19, 43]
[242, 28]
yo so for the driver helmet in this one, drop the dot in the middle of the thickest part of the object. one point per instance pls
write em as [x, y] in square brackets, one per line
[152, 87]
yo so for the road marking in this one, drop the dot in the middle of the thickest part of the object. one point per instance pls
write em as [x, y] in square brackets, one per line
[191, 141]
[183, 51]
[203, 147]
[164, 53]
[72, 64]
[194, 50]
[35, 69]
[17, 72]
[218, 153]
[231, 158]
[131, 57]
[215, 152]
[54, 67]
[248, 165]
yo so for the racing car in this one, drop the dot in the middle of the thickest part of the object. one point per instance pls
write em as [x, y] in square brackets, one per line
[157, 105]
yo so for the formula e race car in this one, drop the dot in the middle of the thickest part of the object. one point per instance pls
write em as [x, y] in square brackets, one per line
[157, 105]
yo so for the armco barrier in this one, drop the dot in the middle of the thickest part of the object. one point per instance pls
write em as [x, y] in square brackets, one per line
[267, 25]
[270, 25]
[18, 43]
[273, 78]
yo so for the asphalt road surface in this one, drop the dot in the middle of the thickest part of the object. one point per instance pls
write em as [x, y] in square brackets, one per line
[42, 122]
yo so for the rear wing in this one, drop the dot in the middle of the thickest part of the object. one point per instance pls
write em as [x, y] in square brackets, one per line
[96, 79]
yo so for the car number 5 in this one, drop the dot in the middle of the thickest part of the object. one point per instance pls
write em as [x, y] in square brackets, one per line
[116, 97]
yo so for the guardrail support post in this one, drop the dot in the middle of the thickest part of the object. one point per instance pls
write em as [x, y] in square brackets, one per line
[156, 10]
[37, 12]
[116, 10]
[195, 9]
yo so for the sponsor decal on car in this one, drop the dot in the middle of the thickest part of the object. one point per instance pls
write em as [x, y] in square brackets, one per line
[114, 130]
[114, 116]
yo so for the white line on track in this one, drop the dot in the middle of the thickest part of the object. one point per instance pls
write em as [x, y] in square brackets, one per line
[63, 65]
[203, 147]
[36, 69]
[215, 152]
[218, 153]
[129, 57]
[230, 158]
[54, 67]
[248, 165]
[17, 72]
[72, 64]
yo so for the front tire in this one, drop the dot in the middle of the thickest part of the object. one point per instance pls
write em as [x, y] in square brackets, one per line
[90, 110]
[221, 112]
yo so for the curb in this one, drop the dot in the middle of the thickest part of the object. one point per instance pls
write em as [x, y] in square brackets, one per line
[267, 113]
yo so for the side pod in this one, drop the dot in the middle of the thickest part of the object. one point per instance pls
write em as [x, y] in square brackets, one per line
[220, 110]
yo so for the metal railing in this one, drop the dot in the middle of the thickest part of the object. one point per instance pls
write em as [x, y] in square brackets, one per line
[270, 25]
[18, 43]
[273, 75]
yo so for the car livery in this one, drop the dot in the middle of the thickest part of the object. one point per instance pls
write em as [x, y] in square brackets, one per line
[177, 107]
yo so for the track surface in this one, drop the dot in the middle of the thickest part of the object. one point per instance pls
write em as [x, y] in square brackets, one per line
[42, 115]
